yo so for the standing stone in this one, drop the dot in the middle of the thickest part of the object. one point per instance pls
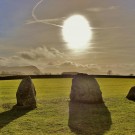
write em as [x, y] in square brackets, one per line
[85, 89]
[131, 94]
[26, 94]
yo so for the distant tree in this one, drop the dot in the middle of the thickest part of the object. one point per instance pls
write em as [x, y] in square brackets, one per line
[109, 72]
[131, 74]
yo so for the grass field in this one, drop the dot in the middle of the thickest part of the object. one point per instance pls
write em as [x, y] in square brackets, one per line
[52, 114]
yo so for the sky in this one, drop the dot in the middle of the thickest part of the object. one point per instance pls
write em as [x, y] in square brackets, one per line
[31, 34]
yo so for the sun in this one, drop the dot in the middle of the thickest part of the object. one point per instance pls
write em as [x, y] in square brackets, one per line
[77, 32]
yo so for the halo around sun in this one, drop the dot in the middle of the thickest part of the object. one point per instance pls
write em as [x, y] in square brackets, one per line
[77, 32]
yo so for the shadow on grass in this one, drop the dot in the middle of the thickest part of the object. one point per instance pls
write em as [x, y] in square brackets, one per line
[89, 119]
[10, 115]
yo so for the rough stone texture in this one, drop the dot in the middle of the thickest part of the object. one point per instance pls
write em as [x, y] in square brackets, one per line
[85, 89]
[131, 94]
[26, 94]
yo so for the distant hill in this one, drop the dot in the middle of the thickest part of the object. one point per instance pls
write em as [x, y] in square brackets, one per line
[20, 70]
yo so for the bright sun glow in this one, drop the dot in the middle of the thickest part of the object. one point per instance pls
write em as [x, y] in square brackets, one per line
[77, 32]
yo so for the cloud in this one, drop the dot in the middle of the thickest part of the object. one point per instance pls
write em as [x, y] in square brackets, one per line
[69, 66]
[38, 57]
[45, 21]
[51, 60]
[46, 59]
[3, 61]
[51, 65]
[13, 61]
[100, 9]
[42, 53]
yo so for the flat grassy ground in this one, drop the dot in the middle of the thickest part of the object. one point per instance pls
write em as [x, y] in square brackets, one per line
[52, 115]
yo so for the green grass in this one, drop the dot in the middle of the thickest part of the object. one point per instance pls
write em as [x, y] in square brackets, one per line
[52, 114]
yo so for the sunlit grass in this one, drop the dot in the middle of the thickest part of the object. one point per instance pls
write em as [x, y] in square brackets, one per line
[51, 115]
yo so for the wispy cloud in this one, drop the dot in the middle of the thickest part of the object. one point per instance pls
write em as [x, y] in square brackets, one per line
[69, 66]
[45, 21]
[42, 53]
[47, 60]
[53, 61]
[100, 9]
[39, 57]
[3, 61]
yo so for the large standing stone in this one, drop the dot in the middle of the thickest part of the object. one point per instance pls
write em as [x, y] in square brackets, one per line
[26, 94]
[85, 89]
[131, 94]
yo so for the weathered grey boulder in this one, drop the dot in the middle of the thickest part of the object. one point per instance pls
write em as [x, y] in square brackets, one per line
[26, 94]
[131, 94]
[85, 89]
